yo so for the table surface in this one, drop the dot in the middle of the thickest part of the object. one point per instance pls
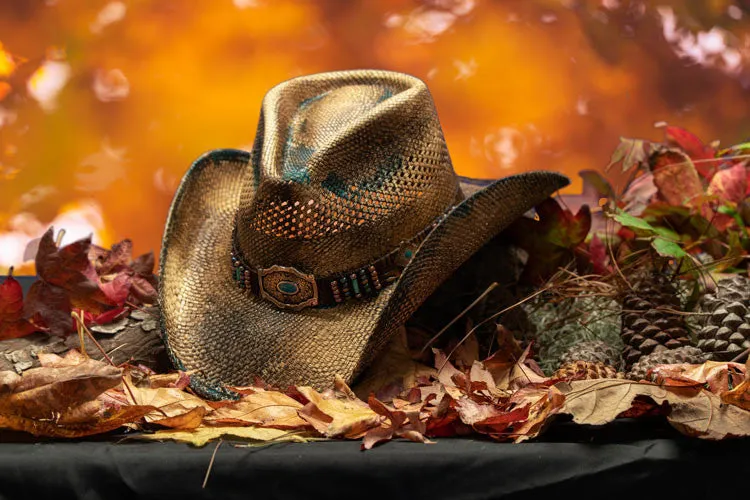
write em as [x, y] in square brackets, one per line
[625, 459]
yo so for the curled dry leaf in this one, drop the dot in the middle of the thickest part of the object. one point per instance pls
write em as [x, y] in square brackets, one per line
[167, 402]
[262, 408]
[335, 415]
[695, 412]
[718, 377]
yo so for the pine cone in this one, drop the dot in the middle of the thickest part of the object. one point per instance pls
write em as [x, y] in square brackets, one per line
[725, 333]
[687, 354]
[586, 370]
[595, 351]
[647, 325]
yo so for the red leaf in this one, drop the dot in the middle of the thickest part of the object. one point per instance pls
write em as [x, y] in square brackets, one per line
[52, 304]
[117, 290]
[730, 184]
[676, 178]
[13, 322]
[693, 147]
[69, 268]
[144, 264]
[143, 289]
[106, 317]
[599, 256]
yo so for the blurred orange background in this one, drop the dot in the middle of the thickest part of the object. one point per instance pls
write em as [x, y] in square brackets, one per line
[104, 104]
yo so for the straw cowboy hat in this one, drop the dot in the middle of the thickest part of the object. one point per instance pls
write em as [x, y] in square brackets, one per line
[298, 261]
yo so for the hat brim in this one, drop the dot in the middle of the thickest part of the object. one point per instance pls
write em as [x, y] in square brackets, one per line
[228, 337]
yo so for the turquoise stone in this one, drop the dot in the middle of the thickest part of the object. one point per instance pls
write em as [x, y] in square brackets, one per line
[287, 287]
[408, 254]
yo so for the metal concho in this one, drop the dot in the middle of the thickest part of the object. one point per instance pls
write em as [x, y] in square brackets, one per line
[288, 288]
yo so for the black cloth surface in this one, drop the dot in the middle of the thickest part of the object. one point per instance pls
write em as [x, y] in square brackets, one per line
[625, 459]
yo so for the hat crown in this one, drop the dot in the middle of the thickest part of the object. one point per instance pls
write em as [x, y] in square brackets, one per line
[345, 166]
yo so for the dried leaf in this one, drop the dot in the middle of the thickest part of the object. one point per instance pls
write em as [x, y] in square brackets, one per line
[692, 146]
[203, 435]
[186, 421]
[718, 377]
[630, 152]
[697, 413]
[392, 372]
[168, 402]
[335, 416]
[262, 408]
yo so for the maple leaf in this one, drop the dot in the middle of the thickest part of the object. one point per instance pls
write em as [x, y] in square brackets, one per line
[14, 320]
[397, 423]
[550, 240]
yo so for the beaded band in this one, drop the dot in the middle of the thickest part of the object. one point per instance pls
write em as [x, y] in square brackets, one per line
[289, 288]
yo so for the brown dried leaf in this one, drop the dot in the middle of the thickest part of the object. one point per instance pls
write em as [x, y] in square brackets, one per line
[189, 420]
[40, 392]
[167, 401]
[393, 372]
[720, 377]
[695, 412]
[263, 408]
[335, 415]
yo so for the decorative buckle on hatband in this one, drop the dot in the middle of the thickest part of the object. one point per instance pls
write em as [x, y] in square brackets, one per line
[287, 288]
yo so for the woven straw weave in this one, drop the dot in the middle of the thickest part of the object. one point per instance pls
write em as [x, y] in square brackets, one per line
[345, 167]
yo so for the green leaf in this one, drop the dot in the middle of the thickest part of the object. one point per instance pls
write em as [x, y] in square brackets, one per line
[667, 234]
[631, 152]
[737, 148]
[667, 248]
[632, 221]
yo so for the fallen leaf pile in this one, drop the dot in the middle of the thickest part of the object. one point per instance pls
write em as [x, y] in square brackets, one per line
[500, 397]
[105, 284]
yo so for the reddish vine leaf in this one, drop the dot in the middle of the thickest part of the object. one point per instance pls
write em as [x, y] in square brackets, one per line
[693, 147]
[52, 304]
[730, 184]
[676, 177]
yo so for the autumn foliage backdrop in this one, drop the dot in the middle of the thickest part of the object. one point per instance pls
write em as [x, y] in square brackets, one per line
[104, 104]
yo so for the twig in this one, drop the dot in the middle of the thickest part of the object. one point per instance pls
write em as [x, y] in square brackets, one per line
[142, 309]
[740, 356]
[211, 464]
[482, 323]
[492, 286]
[82, 328]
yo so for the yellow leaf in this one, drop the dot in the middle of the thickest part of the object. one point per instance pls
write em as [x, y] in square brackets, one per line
[202, 435]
